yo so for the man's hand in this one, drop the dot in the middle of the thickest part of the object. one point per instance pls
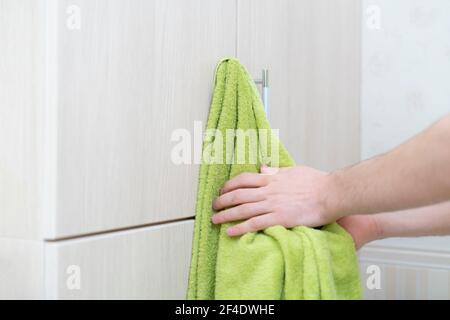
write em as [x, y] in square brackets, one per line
[287, 196]
[416, 174]
[362, 228]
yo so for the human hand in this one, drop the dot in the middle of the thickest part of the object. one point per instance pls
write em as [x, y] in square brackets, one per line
[362, 228]
[286, 196]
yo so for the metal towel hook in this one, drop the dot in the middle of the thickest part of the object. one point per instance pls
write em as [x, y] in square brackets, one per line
[264, 81]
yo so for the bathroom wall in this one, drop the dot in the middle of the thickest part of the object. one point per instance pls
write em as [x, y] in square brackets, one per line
[405, 88]
[405, 73]
[406, 70]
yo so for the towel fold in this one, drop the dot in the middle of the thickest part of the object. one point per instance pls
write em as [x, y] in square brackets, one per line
[277, 263]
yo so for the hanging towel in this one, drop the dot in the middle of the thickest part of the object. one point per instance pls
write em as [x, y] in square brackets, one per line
[277, 263]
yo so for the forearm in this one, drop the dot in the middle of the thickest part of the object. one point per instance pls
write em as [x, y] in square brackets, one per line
[415, 174]
[427, 221]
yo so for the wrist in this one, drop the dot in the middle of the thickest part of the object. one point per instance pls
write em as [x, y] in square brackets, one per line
[334, 197]
[376, 232]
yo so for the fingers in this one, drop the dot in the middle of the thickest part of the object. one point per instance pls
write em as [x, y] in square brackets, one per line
[244, 180]
[237, 197]
[254, 224]
[265, 170]
[250, 179]
[241, 212]
[269, 170]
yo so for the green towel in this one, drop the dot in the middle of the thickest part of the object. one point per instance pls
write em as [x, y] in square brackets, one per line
[277, 263]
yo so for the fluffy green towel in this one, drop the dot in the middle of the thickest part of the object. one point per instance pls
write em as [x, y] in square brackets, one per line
[277, 263]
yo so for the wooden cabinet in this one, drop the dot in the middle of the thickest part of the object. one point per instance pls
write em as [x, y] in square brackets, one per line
[312, 50]
[21, 268]
[142, 263]
[21, 91]
[90, 94]
[118, 77]
[132, 73]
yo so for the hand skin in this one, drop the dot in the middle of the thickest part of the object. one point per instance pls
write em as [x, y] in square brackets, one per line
[286, 196]
[426, 221]
[415, 174]
[362, 228]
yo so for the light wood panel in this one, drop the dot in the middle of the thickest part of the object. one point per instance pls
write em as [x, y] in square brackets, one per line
[127, 78]
[21, 269]
[21, 67]
[312, 49]
[145, 263]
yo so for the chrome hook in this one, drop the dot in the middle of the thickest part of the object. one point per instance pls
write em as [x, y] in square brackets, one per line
[264, 81]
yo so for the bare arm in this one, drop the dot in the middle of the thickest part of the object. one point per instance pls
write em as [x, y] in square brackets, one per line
[427, 221]
[415, 174]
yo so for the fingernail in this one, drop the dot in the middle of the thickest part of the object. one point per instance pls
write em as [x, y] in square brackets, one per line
[213, 219]
[231, 231]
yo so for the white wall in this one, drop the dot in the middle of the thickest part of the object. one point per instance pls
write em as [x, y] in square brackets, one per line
[405, 79]
[406, 70]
